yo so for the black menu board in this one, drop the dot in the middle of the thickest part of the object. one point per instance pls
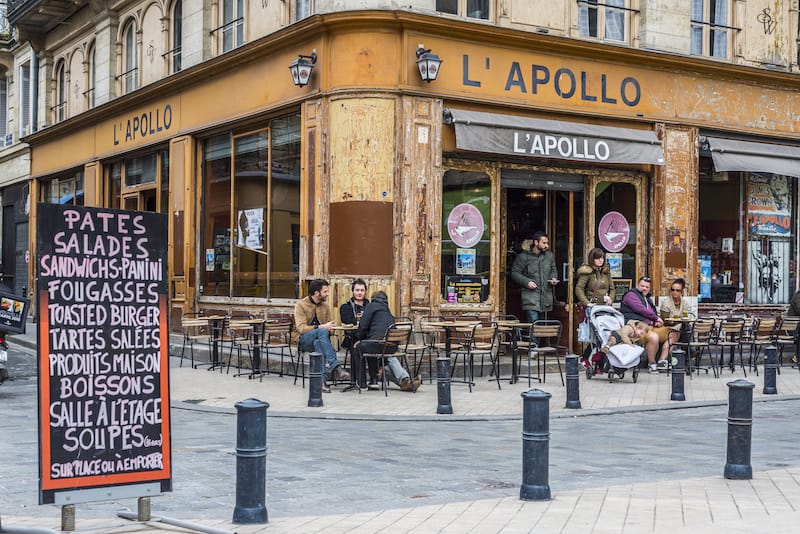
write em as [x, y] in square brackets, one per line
[103, 353]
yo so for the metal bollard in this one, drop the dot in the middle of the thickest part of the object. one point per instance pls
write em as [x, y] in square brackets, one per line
[315, 380]
[535, 446]
[444, 405]
[573, 387]
[678, 375]
[770, 370]
[251, 462]
[740, 430]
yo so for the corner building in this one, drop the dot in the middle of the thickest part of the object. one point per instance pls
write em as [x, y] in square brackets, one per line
[677, 162]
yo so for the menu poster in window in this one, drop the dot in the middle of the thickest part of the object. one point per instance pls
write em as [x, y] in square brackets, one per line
[13, 313]
[704, 262]
[467, 289]
[465, 261]
[769, 206]
[621, 286]
[250, 233]
[104, 418]
[614, 260]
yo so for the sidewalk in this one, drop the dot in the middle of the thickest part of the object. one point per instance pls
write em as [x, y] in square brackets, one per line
[696, 505]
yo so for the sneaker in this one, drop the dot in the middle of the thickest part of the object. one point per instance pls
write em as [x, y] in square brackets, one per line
[662, 364]
[653, 368]
[586, 363]
[326, 388]
[340, 374]
[373, 386]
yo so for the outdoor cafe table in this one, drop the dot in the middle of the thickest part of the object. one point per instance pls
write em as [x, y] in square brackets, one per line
[215, 325]
[256, 330]
[353, 376]
[448, 327]
[516, 328]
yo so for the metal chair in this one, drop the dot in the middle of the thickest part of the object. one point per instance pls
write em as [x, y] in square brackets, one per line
[787, 335]
[278, 338]
[396, 337]
[546, 334]
[195, 330]
[431, 337]
[729, 336]
[763, 334]
[699, 335]
[480, 341]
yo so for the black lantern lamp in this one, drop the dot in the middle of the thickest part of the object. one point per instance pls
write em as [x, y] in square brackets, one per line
[301, 68]
[428, 64]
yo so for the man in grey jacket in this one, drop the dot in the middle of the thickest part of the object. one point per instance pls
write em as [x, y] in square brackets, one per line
[535, 271]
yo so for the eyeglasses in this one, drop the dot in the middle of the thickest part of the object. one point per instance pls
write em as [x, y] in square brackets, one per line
[678, 290]
[645, 279]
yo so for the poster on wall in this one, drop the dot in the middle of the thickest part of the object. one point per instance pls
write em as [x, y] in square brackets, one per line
[250, 233]
[614, 260]
[769, 206]
[104, 417]
[465, 225]
[465, 261]
[613, 231]
[704, 266]
[467, 289]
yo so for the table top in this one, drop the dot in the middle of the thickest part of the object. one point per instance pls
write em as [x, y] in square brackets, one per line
[345, 328]
[450, 324]
[514, 324]
[679, 320]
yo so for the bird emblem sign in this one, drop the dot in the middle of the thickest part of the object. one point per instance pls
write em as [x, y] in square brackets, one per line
[465, 225]
[613, 231]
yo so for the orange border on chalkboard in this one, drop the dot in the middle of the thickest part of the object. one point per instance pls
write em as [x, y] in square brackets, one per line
[48, 483]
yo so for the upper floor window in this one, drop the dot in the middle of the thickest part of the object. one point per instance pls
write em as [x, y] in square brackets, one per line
[302, 9]
[473, 9]
[130, 54]
[710, 27]
[232, 28]
[92, 77]
[25, 99]
[603, 20]
[3, 109]
[60, 105]
[63, 189]
[139, 183]
[177, 35]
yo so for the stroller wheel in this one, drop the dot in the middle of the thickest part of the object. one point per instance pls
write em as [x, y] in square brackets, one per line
[621, 374]
[635, 375]
[589, 373]
[610, 375]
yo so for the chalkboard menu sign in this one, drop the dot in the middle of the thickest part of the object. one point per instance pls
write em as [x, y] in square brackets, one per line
[103, 361]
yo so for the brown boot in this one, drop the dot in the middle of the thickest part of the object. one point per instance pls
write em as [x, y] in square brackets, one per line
[407, 384]
[340, 375]
[326, 388]
[416, 382]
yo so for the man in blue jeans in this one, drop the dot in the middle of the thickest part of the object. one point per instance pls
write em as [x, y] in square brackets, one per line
[313, 327]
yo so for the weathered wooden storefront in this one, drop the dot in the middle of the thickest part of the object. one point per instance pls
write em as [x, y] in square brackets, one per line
[428, 190]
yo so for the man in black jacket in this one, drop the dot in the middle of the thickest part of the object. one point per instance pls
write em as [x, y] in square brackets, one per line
[350, 312]
[371, 331]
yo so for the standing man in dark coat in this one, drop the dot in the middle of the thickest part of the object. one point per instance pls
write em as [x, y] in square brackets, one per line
[535, 271]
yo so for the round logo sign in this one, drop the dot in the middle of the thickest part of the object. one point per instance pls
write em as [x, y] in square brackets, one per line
[613, 231]
[465, 225]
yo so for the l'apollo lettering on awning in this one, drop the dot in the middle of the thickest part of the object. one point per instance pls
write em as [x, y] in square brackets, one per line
[478, 131]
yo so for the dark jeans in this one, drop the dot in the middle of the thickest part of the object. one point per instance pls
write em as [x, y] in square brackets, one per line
[368, 346]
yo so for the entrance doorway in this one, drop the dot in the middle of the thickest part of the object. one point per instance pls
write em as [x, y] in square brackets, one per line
[554, 204]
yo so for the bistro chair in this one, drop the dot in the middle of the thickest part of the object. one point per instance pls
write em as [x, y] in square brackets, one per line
[729, 336]
[278, 339]
[432, 337]
[699, 336]
[480, 340]
[237, 336]
[397, 336]
[195, 330]
[787, 335]
[763, 334]
[546, 334]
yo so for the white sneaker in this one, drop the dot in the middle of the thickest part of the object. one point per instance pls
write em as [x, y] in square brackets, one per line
[662, 364]
[653, 368]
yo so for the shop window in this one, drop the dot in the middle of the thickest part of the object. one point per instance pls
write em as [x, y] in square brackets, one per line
[91, 77]
[62, 189]
[473, 9]
[177, 36]
[130, 55]
[466, 237]
[603, 20]
[710, 28]
[615, 227]
[139, 183]
[747, 246]
[231, 31]
[60, 106]
[251, 196]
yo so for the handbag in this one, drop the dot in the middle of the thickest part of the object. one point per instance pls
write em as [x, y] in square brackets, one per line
[584, 332]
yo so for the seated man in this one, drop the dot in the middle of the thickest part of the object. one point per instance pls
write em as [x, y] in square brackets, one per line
[371, 331]
[313, 327]
[638, 305]
[350, 312]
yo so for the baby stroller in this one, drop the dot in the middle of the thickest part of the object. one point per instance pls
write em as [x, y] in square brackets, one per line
[603, 320]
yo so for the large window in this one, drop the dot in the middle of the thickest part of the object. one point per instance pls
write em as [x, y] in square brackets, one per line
[252, 212]
[603, 19]
[63, 189]
[474, 9]
[139, 183]
[710, 27]
[232, 27]
[466, 236]
[747, 244]
[130, 64]
[177, 35]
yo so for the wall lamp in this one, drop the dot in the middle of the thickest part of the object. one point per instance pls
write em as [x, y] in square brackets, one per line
[428, 64]
[301, 68]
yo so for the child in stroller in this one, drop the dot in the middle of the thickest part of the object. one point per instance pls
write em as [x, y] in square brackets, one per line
[607, 324]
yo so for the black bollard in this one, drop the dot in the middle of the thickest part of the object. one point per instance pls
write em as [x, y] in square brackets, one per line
[535, 446]
[444, 405]
[251, 462]
[573, 387]
[315, 380]
[770, 370]
[678, 375]
[740, 430]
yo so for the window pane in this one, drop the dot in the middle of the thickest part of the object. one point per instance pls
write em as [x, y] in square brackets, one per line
[587, 18]
[466, 223]
[697, 39]
[115, 185]
[478, 9]
[177, 35]
[140, 170]
[216, 224]
[250, 165]
[621, 198]
[615, 20]
[720, 232]
[164, 181]
[447, 6]
[284, 227]
[719, 43]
